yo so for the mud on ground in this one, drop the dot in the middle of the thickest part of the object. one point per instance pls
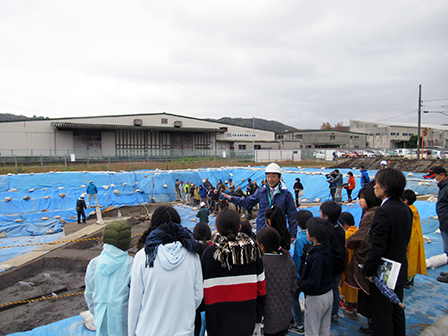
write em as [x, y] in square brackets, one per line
[62, 272]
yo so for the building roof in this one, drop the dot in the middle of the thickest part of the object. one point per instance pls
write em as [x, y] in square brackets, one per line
[320, 131]
[71, 126]
[131, 115]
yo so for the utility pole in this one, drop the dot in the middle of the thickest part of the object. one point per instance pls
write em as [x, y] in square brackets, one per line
[253, 136]
[419, 139]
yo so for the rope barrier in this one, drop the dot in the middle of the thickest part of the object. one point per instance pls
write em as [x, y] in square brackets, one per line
[60, 241]
[40, 299]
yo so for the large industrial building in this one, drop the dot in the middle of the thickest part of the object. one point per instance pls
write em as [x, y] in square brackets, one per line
[382, 135]
[303, 139]
[139, 135]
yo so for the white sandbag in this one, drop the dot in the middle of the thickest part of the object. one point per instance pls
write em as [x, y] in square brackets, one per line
[436, 261]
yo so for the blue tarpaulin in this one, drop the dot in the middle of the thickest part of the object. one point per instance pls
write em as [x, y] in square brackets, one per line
[425, 301]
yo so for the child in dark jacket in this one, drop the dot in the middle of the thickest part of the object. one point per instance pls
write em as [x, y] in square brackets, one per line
[281, 282]
[315, 280]
[330, 211]
[301, 247]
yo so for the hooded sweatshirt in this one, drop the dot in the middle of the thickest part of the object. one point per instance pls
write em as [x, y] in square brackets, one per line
[107, 290]
[164, 298]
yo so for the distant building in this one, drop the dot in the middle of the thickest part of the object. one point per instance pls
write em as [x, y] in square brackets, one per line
[138, 135]
[303, 139]
[396, 135]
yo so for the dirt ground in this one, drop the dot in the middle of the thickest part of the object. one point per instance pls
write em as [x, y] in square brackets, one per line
[62, 272]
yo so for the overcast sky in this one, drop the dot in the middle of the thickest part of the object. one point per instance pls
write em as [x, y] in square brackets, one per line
[299, 62]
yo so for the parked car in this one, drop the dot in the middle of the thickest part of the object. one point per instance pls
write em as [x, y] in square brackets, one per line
[319, 154]
[341, 154]
[400, 151]
[352, 154]
[386, 153]
[411, 154]
[368, 153]
[437, 154]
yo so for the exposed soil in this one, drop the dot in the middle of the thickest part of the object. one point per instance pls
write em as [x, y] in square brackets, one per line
[62, 272]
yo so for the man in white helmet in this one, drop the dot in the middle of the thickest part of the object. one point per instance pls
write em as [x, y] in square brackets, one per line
[273, 192]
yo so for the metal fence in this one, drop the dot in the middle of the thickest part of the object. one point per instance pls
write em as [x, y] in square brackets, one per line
[16, 160]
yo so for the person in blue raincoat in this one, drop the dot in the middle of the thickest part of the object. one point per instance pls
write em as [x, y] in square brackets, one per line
[92, 191]
[107, 280]
[273, 192]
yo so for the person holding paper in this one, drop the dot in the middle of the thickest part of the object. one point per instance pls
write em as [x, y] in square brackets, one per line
[390, 233]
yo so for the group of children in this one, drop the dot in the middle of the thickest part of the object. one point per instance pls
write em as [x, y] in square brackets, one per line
[243, 284]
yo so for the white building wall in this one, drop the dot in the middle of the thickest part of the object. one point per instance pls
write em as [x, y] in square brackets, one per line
[384, 135]
[40, 136]
[108, 142]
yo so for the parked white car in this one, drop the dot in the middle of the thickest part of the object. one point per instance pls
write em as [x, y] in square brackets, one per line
[319, 154]
[411, 154]
[368, 153]
[438, 155]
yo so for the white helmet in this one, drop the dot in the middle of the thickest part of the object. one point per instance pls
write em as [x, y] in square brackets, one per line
[273, 168]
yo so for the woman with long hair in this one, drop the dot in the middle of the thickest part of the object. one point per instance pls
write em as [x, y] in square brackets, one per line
[359, 242]
[275, 218]
[166, 279]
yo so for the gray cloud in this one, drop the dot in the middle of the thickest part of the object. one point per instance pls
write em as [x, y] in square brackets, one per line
[302, 63]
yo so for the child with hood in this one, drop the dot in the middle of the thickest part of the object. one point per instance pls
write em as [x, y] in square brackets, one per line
[166, 282]
[107, 281]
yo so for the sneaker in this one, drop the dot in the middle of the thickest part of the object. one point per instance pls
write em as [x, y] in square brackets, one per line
[443, 278]
[298, 330]
[409, 284]
[343, 307]
[443, 273]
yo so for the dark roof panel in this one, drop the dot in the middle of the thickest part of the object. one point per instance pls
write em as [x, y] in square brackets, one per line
[71, 126]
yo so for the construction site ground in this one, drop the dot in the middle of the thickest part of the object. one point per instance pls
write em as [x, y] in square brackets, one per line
[59, 269]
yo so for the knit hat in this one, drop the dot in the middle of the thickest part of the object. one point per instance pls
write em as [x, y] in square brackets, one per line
[118, 234]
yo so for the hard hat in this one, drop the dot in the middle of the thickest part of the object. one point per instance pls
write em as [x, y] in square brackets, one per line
[384, 163]
[273, 168]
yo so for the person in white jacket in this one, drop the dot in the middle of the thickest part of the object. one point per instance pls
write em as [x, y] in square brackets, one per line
[166, 280]
[107, 281]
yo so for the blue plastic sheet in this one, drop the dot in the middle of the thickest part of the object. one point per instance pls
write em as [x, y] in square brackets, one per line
[423, 300]
[13, 252]
[73, 326]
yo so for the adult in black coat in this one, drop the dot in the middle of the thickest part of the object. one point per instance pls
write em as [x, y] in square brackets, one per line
[80, 206]
[390, 233]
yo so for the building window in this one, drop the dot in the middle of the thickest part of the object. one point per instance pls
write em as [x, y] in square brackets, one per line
[257, 147]
[164, 121]
[377, 134]
[280, 137]
[404, 134]
[356, 137]
[242, 147]
[370, 134]
[332, 137]
[299, 136]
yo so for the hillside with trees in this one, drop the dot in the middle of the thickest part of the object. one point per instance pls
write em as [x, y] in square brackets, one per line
[15, 117]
